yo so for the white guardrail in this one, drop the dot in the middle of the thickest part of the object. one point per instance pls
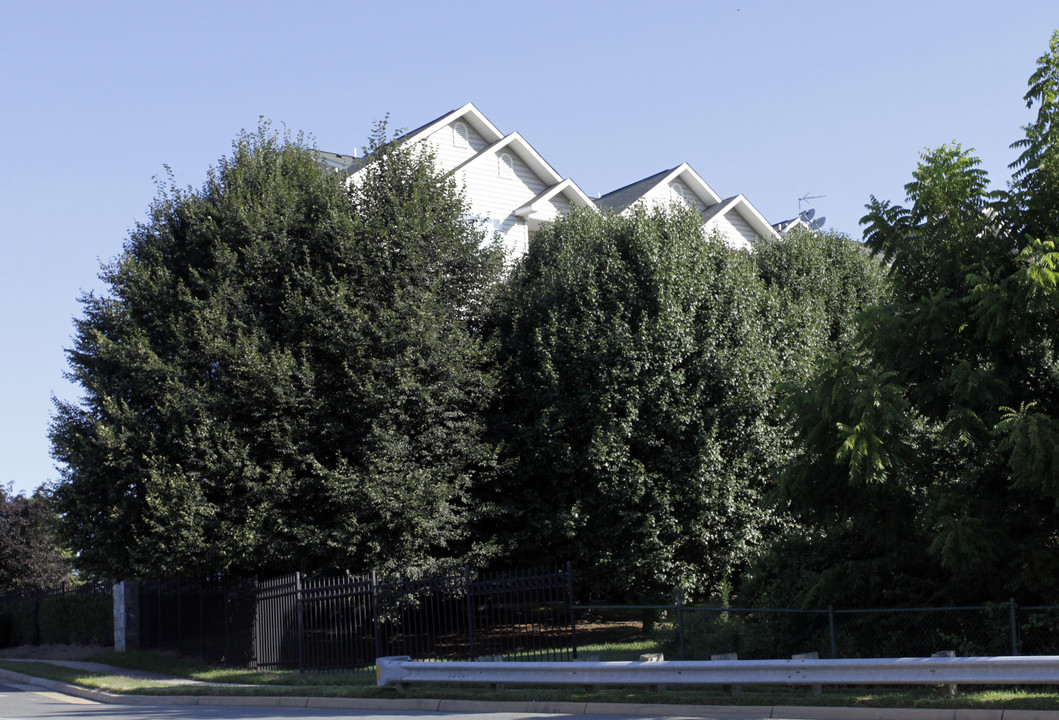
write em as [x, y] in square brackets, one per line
[402, 670]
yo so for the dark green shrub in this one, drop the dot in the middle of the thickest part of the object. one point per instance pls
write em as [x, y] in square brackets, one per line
[752, 635]
[77, 618]
[20, 617]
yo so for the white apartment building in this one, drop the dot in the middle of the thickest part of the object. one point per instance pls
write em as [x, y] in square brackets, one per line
[513, 189]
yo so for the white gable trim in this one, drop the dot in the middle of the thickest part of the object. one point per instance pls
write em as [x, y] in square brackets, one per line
[468, 114]
[525, 152]
[748, 212]
[567, 187]
[695, 183]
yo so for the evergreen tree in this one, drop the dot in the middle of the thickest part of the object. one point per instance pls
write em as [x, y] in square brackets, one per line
[284, 374]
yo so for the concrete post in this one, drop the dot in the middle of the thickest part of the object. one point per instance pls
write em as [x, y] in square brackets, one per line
[127, 616]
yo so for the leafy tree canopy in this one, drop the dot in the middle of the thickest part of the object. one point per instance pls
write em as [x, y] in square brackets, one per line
[639, 366]
[930, 461]
[284, 374]
[30, 557]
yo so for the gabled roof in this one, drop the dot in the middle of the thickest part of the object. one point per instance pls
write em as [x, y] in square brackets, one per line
[516, 144]
[624, 197]
[787, 226]
[748, 212]
[566, 187]
[468, 113]
[343, 163]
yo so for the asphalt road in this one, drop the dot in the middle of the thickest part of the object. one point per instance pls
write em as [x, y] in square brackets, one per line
[28, 702]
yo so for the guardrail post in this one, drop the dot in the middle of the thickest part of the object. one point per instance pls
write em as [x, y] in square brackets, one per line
[654, 657]
[593, 687]
[950, 688]
[729, 689]
[1013, 619]
[810, 690]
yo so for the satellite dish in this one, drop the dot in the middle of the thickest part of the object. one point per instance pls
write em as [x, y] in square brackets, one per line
[818, 223]
[807, 215]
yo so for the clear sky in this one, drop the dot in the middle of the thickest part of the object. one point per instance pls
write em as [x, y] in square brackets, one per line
[775, 99]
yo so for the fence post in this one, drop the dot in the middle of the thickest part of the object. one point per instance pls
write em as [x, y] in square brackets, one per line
[301, 623]
[1013, 619]
[470, 609]
[831, 630]
[202, 625]
[680, 621]
[573, 609]
[375, 615]
[179, 617]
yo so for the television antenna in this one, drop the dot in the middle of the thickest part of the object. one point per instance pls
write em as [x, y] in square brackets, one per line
[807, 216]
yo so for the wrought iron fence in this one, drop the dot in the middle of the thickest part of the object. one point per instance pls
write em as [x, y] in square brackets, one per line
[209, 619]
[321, 623]
[344, 622]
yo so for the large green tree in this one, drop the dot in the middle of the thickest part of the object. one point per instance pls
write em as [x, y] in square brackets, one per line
[931, 463]
[637, 387]
[283, 374]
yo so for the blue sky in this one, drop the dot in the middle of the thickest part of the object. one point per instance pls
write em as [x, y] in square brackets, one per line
[772, 99]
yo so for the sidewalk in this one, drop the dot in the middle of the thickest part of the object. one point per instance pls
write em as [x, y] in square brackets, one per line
[124, 672]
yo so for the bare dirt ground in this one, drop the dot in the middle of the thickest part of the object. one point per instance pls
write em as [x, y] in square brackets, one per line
[53, 652]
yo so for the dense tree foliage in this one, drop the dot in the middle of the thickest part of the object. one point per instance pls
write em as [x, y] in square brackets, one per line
[931, 463]
[285, 374]
[640, 361]
[821, 281]
[30, 557]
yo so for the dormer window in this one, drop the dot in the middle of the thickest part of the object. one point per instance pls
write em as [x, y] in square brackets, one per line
[460, 135]
[506, 166]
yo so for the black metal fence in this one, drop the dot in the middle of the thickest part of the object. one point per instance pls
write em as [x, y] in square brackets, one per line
[319, 623]
[343, 622]
[208, 619]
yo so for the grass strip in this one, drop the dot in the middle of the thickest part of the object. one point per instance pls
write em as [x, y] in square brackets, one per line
[354, 685]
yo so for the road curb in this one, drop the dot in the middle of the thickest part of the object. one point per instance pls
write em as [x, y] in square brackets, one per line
[728, 712]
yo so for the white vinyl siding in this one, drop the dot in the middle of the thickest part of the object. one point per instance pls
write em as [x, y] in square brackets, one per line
[669, 193]
[450, 149]
[735, 230]
[495, 197]
[516, 237]
[561, 205]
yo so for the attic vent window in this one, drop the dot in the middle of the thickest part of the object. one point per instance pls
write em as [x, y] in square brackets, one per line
[507, 166]
[460, 135]
[681, 193]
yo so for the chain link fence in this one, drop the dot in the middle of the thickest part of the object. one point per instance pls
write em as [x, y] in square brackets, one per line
[692, 632]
